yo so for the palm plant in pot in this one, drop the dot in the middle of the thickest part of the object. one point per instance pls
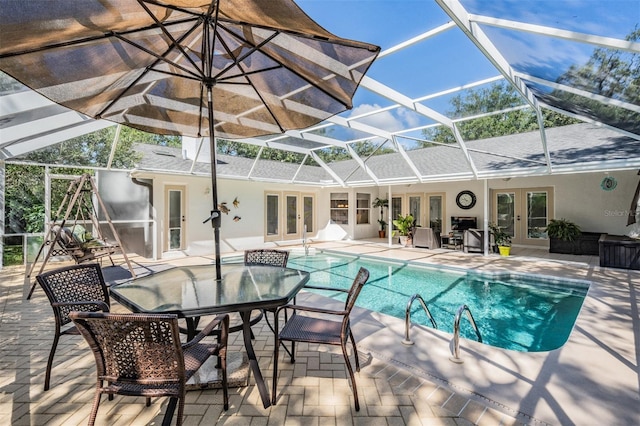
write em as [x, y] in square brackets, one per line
[381, 203]
[404, 226]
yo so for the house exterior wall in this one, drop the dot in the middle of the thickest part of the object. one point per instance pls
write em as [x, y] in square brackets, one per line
[578, 197]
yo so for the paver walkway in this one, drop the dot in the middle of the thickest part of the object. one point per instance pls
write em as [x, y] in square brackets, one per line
[394, 388]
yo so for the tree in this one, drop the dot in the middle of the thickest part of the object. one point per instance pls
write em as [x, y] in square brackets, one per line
[498, 96]
[24, 199]
[24, 195]
[610, 73]
[94, 149]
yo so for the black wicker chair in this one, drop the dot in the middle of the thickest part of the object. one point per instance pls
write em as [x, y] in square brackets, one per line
[269, 257]
[141, 355]
[322, 330]
[272, 257]
[73, 288]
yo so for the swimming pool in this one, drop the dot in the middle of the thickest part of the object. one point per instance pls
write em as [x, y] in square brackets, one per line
[511, 311]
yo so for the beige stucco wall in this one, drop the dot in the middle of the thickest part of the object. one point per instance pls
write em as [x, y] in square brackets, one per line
[578, 197]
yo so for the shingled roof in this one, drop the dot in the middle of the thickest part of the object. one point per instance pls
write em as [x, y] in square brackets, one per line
[568, 145]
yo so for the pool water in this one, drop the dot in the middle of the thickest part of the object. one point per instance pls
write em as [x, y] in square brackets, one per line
[511, 311]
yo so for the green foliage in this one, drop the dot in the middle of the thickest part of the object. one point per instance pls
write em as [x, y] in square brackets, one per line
[367, 148]
[500, 237]
[237, 149]
[381, 203]
[404, 224]
[94, 149]
[12, 255]
[614, 74]
[24, 199]
[333, 153]
[482, 101]
[24, 190]
[563, 229]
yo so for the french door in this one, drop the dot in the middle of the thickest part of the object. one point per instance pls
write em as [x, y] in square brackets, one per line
[288, 214]
[523, 213]
[427, 209]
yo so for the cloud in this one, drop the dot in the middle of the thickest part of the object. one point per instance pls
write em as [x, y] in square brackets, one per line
[385, 120]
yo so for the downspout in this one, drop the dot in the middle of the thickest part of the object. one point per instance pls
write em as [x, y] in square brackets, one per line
[145, 184]
[149, 186]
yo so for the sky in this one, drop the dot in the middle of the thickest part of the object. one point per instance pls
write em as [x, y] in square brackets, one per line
[450, 60]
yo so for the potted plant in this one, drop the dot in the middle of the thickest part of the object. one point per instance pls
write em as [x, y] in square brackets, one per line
[563, 236]
[501, 239]
[383, 227]
[404, 226]
[381, 203]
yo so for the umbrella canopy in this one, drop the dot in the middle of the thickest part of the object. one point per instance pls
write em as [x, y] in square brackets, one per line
[223, 68]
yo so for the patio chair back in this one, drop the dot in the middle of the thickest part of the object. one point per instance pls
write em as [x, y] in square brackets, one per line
[268, 257]
[271, 257]
[329, 327]
[141, 355]
[72, 288]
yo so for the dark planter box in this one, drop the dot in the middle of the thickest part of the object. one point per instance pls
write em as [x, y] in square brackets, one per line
[619, 251]
[585, 244]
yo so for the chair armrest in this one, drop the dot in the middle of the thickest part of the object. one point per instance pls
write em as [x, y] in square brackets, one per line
[316, 287]
[220, 320]
[100, 304]
[312, 309]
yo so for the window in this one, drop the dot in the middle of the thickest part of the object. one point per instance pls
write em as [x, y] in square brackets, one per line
[363, 205]
[340, 208]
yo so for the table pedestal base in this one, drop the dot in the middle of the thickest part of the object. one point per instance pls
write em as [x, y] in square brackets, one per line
[209, 377]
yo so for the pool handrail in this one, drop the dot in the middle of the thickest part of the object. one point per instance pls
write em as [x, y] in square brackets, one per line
[456, 333]
[407, 317]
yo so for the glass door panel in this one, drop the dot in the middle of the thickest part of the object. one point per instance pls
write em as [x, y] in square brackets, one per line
[396, 209]
[436, 213]
[307, 212]
[537, 214]
[292, 216]
[415, 208]
[506, 212]
[272, 217]
[175, 218]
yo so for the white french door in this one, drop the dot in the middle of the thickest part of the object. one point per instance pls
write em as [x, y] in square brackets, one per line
[523, 213]
[287, 214]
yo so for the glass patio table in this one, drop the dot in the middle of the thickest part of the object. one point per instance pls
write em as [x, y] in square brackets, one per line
[193, 291]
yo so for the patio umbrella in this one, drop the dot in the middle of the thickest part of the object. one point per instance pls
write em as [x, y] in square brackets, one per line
[236, 68]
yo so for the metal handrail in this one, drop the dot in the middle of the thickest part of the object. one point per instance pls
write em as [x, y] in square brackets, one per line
[455, 350]
[407, 317]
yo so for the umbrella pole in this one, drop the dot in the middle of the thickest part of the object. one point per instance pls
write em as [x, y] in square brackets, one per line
[215, 213]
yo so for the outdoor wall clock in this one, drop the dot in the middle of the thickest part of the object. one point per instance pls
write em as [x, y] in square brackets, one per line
[466, 199]
[609, 183]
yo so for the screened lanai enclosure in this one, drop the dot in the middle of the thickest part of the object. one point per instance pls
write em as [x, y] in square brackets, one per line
[461, 91]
